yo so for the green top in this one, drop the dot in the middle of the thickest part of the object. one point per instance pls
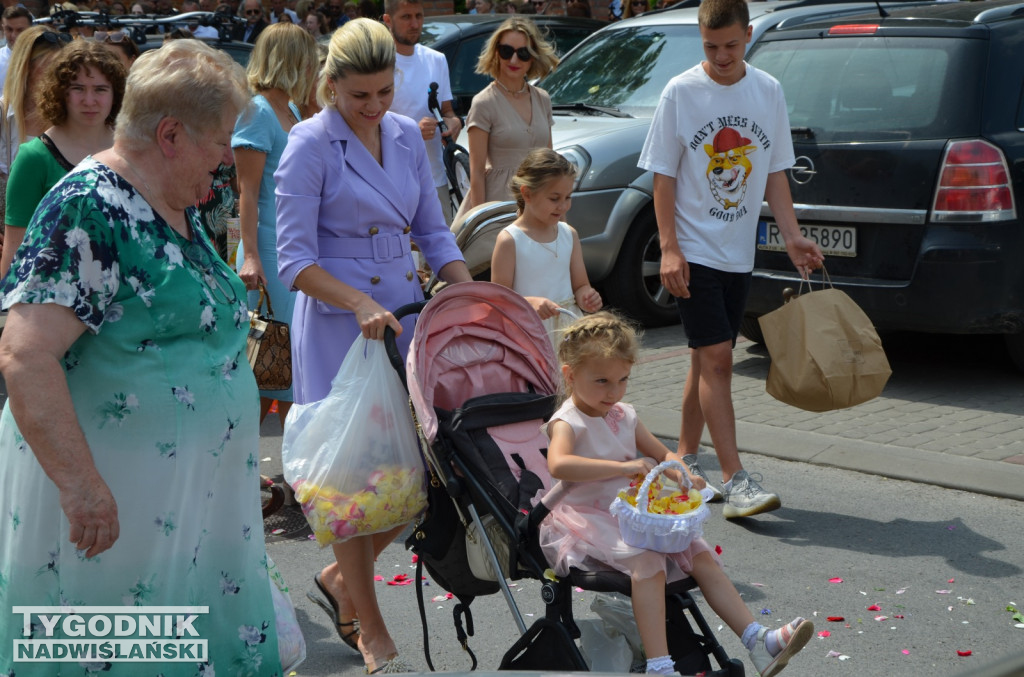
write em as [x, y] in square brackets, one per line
[34, 172]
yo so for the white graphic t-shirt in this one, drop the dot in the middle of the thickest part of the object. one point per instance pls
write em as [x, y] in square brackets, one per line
[720, 143]
[413, 75]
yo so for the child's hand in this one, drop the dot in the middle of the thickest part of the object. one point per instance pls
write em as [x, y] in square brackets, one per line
[638, 466]
[588, 299]
[698, 482]
[545, 307]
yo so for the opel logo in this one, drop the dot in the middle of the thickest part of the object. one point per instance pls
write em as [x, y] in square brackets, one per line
[802, 170]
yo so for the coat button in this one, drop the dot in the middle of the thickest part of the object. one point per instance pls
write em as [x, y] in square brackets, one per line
[407, 230]
[408, 275]
[374, 230]
[375, 279]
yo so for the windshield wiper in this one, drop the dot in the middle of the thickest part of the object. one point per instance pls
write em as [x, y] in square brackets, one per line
[581, 107]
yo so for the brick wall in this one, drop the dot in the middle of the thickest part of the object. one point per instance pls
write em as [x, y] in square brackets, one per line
[438, 7]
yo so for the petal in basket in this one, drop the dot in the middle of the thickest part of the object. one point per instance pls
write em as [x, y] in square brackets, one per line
[667, 533]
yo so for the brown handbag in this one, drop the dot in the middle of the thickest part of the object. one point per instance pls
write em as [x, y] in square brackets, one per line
[269, 347]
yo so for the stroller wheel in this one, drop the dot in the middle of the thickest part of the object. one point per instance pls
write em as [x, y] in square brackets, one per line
[271, 496]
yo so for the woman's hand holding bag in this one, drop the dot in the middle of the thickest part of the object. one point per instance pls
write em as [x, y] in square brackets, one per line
[353, 458]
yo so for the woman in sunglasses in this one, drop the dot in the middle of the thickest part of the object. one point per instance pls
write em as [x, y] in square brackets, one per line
[120, 45]
[80, 97]
[20, 121]
[509, 117]
[634, 8]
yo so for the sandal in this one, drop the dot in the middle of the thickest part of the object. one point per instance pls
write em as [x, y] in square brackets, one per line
[331, 607]
[390, 666]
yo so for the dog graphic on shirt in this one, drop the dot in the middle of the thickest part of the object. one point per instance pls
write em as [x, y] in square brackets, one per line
[728, 166]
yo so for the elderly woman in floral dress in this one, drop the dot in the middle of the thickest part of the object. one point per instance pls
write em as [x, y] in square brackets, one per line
[129, 441]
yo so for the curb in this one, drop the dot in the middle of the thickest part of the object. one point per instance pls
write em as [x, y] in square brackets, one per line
[992, 478]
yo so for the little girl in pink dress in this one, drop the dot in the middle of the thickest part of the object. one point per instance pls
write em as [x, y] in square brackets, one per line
[595, 440]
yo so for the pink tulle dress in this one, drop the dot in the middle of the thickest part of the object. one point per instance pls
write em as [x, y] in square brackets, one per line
[580, 532]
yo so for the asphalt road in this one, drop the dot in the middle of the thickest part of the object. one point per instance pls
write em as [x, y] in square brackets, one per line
[941, 565]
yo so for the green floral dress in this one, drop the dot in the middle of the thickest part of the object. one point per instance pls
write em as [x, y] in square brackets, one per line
[170, 410]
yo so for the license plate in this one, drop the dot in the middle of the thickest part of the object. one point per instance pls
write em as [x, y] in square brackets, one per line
[833, 240]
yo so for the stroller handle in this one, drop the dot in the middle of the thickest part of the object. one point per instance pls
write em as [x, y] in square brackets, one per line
[391, 339]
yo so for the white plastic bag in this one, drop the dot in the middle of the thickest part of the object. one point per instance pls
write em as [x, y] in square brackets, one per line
[353, 458]
[291, 645]
[617, 613]
[604, 648]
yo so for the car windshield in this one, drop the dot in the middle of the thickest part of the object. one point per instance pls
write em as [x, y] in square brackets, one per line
[433, 31]
[877, 88]
[625, 69]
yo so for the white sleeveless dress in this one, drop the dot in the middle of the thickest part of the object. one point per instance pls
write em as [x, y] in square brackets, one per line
[542, 269]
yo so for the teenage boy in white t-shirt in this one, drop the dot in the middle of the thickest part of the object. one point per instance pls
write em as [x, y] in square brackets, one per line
[416, 66]
[719, 144]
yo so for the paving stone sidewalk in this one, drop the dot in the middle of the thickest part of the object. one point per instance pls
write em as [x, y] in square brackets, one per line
[947, 419]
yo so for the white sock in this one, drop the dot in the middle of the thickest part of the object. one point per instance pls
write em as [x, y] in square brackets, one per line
[749, 636]
[662, 665]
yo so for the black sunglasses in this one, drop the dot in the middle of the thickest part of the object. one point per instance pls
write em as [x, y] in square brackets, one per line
[251, 12]
[53, 38]
[506, 52]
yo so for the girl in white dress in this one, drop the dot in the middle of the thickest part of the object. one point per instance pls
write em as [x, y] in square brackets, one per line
[597, 446]
[538, 255]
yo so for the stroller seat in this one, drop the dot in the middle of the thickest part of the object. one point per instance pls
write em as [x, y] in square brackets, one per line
[491, 488]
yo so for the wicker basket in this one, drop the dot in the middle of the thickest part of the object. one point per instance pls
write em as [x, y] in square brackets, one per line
[652, 531]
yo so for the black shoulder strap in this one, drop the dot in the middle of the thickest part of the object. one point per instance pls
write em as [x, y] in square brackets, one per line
[461, 609]
[55, 152]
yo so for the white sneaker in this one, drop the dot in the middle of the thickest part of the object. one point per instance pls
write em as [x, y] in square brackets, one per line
[690, 460]
[768, 665]
[746, 497]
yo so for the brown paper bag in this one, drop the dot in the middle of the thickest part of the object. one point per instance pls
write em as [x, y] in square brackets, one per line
[825, 352]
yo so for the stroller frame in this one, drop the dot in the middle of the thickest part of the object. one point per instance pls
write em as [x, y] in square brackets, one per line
[462, 475]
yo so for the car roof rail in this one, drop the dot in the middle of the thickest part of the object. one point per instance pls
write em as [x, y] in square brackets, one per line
[136, 24]
[997, 13]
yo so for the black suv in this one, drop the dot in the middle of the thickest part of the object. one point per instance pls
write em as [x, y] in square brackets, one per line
[908, 127]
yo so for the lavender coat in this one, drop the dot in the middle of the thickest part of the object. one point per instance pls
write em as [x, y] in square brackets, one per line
[338, 208]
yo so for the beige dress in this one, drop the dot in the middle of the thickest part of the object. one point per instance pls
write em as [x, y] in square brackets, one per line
[510, 138]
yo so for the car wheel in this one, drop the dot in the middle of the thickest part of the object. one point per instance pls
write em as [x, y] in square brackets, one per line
[1015, 346]
[634, 285]
[750, 328]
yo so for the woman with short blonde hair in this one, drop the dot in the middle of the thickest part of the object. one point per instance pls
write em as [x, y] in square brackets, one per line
[510, 117]
[280, 74]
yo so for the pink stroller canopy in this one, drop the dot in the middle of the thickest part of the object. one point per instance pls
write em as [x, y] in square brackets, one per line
[476, 338]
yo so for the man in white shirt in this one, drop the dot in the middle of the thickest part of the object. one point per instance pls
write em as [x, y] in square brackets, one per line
[207, 32]
[277, 8]
[719, 145]
[15, 20]
[416, 67]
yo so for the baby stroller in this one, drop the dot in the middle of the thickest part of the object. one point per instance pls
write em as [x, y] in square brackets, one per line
[481, 374]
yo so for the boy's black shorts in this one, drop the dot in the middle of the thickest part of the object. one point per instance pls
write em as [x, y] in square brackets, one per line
[714, 310]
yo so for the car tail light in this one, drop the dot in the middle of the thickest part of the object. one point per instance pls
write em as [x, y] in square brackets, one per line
[853, 29]
[974, 184]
